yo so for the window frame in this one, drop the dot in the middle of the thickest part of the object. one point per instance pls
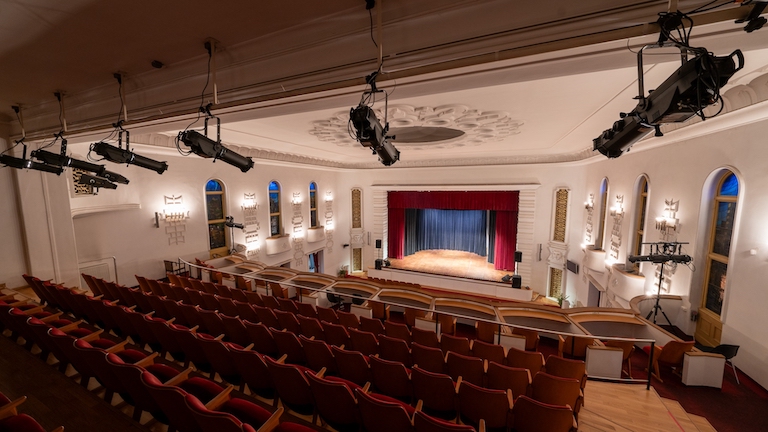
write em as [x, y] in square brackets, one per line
[279, 208]
[223, 250]
[641, 215]
[711, 255]
[313, 210]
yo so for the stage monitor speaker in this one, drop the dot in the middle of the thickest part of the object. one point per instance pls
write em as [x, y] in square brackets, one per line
[378, 243]
[517, 281]
[379, 263]
[518, 256]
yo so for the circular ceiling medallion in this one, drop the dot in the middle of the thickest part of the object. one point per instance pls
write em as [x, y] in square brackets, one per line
[417, 128]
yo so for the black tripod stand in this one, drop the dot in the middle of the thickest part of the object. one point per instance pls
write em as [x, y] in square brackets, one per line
[657, 307]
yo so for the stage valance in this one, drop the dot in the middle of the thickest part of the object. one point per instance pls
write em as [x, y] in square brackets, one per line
[454, 200]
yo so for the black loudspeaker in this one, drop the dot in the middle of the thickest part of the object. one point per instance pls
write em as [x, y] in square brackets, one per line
[379, 262]
[378, 244]
[517, 281]
[518, 256]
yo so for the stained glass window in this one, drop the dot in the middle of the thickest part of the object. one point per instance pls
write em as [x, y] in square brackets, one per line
[274, 209]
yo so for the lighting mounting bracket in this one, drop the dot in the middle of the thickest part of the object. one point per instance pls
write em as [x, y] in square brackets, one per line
[208, 116]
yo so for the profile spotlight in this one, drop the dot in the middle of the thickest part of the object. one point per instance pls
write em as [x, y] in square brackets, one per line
[205, 147]
[97, 182]
[370, 133]
[15, 162]
[690, 89]
[66, 161]
[120, 155]
[230, 222]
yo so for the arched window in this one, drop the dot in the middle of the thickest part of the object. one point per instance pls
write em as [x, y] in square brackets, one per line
[641, 209]
[216, 210]
[313, 205]
[275, 226]
[723, 213]
[601, 215]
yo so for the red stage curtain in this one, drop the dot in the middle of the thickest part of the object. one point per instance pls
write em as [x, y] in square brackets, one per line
[506, 240]
[454, 200]
[396, 237]
[505, 203]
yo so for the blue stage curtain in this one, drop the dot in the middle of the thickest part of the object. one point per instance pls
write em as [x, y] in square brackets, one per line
[491, 236]
[431, 229]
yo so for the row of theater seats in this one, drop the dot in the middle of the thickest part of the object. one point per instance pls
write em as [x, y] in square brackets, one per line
[172, 396]
[393, 377]
[310, 349]
[12, 421]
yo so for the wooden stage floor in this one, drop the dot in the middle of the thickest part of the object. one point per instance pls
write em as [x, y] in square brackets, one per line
[450, 263]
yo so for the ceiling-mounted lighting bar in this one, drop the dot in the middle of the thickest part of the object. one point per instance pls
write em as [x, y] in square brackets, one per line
[23, 162]
[203, 146]
[64, 161]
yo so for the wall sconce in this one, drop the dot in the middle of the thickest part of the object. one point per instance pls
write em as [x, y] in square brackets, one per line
[328, 196]
[668, 222]
[174, 211]
[296, 200]
[618, 208]
[589, 204]
[249, 202]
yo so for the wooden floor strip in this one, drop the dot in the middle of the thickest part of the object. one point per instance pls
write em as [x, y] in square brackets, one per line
[680, 415]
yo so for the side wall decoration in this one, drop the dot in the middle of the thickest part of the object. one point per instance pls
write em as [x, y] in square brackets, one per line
[298, 230]
[251, 222]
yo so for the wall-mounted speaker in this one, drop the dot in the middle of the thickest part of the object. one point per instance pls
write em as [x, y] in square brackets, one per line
[517, 281]
[518, 256]
[572, 266]
[378, 243]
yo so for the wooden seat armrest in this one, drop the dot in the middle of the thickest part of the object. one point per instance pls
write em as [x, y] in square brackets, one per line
[575, 426]
[114, 302]
[150, 314]
[282, 358]
[9, 409]
[130, 308]
[419, 405]
[219, 337]
[50, 318]
[93, 336]
[249, 347]
[272, 422]
[560, 345]
[117, 348]
[181, 377]
[220, 398]
[367, 387]
[79, 291]
[34, 310]
[170, 321]
[18, 303]
[6, 297]
[481, 426]
[530, 381]
[58, 429]
[98, 297]
[70, 326]
[194, 329]
[146, 361]
[510, 398]
[458, 384]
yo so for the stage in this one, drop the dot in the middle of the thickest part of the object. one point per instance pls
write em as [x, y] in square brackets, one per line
[453, 271]
[450, 263]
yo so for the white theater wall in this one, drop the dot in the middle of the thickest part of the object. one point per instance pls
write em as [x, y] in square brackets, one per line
[12, 254]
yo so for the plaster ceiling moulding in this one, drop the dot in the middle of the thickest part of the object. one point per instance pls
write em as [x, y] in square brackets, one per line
[425, 127]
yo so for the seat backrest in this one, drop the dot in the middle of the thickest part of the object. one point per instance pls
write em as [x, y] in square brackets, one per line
[531, 338]
[348, 319]
[363, 341]
[533, 361]
[381, 416]
[336, 334]
[673, 351]
[311, 327]
[412, 314]
[727, 351]
[428, 358]
[436, 390]
[306, 309]
[352, 365]
[576, 346]
[171, 400]
[270, 302]
[486, 351]
[372, 325]
[555, 390]
[318, 355]
[395, 350]
[458, 345]
[486, 331]
[627, 347]
[476, 403]
[214, 420]
[288, 305]
[261, 338]
[291, 385]
[266, 316]
[334, 402]
[567, 368]
[502, 377]
[470, 369]
[254, 372]
[426, 423]
[289, 344]
[327, 315]
[391, 378]
[397, 330]
[531, 415]
[426, 338]
[246, 312]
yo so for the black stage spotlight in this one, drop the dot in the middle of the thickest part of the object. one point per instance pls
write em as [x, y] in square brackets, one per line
[66, 161]
[205, 147]
[230, 222]
[370, 133]
[15, 162]
[120, 155]
[97, 182]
